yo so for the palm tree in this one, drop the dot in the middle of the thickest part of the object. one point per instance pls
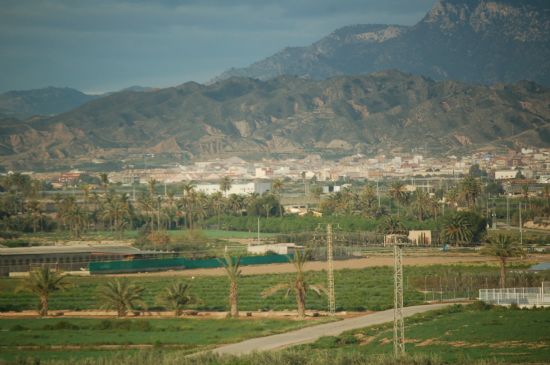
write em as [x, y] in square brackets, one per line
[398, 193]
[421, 204]
[152, 186]
[43, 282]
[298, 285]
[104, 177]
[235, 204]
[187, 187]
[502, 247]
[368, 198]
[391, 225]
[73, 215]
[457, 229]
[120, 295]
[34, 208]
[225, 185]
[177, 296]
[217, 201]
[117, 211]
[233, 271]
[277, 186]
[451, 197]
[470, 190]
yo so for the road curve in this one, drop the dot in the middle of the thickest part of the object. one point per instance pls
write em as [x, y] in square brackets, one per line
[310, 334]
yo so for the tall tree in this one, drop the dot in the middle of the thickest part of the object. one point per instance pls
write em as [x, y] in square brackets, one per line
[421, 204]
[120, 295]
[233, 271]
[470, 188]
[43, 282]
[299, 285]
[225, 185]
[399, 194]
[104, 178]
[277, 186]
[502, 247]
[117, 211]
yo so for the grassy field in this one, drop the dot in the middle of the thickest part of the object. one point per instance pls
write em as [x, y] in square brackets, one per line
[356, 290]
[71, 338]
[473, 332]
[465, 335]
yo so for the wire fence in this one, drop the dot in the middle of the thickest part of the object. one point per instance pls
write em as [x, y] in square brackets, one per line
[519, 296]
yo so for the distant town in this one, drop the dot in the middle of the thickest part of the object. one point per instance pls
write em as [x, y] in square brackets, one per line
[532, 165]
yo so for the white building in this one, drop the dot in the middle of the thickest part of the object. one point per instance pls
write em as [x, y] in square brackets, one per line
[278, 248]
[242, 188]
[505, 174]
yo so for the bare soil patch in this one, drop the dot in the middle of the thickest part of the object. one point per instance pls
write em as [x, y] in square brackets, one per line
[360, 263]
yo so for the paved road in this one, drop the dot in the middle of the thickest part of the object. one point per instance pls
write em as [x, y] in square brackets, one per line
[310, 334]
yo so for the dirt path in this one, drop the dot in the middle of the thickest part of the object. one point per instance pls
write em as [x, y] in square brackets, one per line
[378, 260]
[311, 334]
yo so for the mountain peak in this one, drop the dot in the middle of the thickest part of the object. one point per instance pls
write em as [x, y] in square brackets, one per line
[524, 21]
[483, 41]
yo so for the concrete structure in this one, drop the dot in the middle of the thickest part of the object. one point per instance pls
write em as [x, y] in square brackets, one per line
[278, 248]
[245, 188]
[69, 258]
[420, 238]
[505, 174]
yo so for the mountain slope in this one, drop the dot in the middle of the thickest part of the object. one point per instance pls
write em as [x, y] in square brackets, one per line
[470, 40]
[377, 112]
[46, 101]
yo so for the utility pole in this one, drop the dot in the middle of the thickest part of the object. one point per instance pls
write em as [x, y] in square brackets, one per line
[158, 213]
[330, 261]
[520, 227]
[378, 193]
[258, 229]
[398, 323]
[508, 210]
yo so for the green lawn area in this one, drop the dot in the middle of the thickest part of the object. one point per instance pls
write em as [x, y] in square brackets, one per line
[461, 332]
[56, 338]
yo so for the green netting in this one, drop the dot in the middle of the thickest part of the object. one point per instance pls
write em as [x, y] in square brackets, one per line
[108, 267]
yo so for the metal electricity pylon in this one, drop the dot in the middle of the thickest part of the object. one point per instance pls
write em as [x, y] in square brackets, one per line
[330, 261]
[398, 322]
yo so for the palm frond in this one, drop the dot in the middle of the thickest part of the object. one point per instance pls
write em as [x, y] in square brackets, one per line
[274, 289]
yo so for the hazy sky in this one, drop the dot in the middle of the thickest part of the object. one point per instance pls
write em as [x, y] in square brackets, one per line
[100, 45]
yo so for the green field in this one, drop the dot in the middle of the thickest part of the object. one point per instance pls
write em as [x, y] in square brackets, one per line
[53, 338]
[466, 335]
[356, 290]
[457, 333]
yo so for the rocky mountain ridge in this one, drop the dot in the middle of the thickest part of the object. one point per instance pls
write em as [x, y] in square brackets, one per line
[485, 41]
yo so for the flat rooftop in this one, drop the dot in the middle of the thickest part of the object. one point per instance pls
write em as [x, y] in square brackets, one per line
[100, 249]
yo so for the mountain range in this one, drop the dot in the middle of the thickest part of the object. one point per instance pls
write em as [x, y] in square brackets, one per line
[481, 41]
[22, 104]
[457, 82]
[383, 111]
[47, 101]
